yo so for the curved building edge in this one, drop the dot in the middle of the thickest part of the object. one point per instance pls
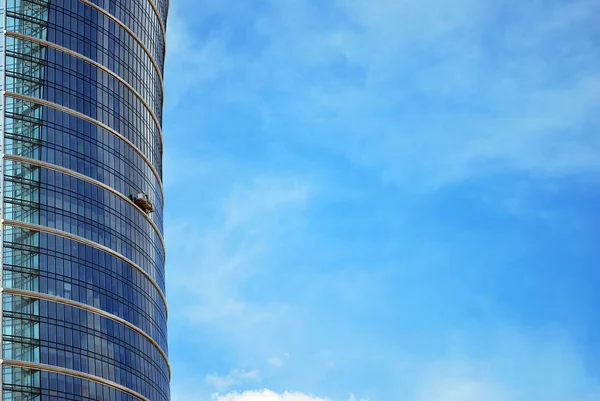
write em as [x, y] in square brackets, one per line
[60, 233]
[74, 373]
[91, 309]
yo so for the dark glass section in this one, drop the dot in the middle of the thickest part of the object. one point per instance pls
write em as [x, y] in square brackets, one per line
[67, 337]
[34, 385]
[92, 34]
[72, 83]
[141, 19]
[76, 144]
[46, 197]
[84, 315]
[58, 266]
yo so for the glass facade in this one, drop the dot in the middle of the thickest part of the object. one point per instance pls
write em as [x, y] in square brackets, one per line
[84, 314]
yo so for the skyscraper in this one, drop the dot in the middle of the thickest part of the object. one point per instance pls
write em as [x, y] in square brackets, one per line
[83, 287]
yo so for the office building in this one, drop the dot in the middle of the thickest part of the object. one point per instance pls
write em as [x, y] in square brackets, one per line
[83, 284]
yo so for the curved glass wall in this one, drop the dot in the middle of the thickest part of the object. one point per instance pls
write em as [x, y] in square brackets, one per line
[108, 44]
[84, 314]
[56, 386]
[83, 147]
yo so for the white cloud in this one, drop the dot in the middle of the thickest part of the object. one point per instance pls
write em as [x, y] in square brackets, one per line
[268, 395]
[353, 398]
[278, 361]
[428, 106]
[224, 254]
[512, 364]
[463, 389]
[261, 199]
[275, 361]
[188, 61]
[432, 102]
[237, 243]
[234, 378]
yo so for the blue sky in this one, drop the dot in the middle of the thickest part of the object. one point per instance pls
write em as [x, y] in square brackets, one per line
[378, 200]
